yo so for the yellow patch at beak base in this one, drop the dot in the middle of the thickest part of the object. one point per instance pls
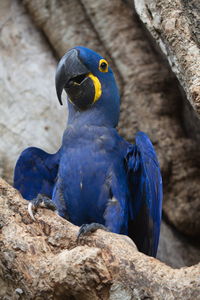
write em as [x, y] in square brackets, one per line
[97, 86]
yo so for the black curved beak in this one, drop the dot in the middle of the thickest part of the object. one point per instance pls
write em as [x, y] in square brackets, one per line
[71, 75]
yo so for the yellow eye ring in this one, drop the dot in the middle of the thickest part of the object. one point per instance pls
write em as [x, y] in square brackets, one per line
[103, 65]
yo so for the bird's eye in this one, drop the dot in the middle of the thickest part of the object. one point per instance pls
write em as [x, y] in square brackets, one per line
[103, 65]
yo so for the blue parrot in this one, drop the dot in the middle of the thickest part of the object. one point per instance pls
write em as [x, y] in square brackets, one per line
[96, 177]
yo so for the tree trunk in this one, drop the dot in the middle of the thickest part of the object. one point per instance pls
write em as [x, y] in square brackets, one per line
[175, 27]
[42, 259]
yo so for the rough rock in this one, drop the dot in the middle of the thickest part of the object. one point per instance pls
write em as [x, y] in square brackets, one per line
[151, 100]
[42, 259]
[30, 114]
[175, 27]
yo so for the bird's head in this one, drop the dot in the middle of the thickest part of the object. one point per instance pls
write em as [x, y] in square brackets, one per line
[89, 83]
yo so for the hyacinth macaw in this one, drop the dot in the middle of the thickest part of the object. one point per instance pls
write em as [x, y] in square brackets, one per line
[96, 177]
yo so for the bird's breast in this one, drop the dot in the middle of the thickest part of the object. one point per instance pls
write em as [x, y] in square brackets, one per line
[84, 171]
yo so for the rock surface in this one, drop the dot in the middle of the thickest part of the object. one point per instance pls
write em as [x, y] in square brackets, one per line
[29, 110]
[42, 259]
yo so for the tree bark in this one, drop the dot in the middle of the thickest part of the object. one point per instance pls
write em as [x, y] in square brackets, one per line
[42, 259]
[175, 27]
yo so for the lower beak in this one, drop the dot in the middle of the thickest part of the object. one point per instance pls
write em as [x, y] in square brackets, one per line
[81, 94]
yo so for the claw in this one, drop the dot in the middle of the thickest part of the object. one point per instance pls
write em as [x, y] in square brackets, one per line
[86, 229]
[40, 200]
[30, 206]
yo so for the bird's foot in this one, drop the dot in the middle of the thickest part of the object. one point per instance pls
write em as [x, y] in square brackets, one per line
[40, 200]
[87, 229]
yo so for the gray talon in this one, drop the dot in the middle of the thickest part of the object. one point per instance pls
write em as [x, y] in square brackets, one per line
[86, 229]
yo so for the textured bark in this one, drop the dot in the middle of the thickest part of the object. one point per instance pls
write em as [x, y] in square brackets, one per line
[29, 113]
[175, 26]
[191, 11]
[42, 260]
[151, 100]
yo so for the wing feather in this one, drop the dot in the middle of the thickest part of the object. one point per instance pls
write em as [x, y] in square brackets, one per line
[36, 172]
[145, 183]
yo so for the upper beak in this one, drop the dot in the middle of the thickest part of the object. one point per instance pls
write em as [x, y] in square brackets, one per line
[70, 72]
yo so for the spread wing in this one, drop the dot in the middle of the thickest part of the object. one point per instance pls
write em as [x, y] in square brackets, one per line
[145, 184]
[36, 172]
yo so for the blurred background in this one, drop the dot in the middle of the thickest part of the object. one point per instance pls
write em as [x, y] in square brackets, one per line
[35, 34]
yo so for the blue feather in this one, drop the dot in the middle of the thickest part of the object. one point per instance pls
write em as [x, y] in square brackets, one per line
[35, 172]
[146, 195]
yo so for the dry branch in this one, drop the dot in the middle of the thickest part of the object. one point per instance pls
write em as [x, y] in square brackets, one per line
[42, 259]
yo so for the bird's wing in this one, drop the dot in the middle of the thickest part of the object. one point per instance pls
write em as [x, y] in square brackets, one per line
[35, 172]
[145, 184]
